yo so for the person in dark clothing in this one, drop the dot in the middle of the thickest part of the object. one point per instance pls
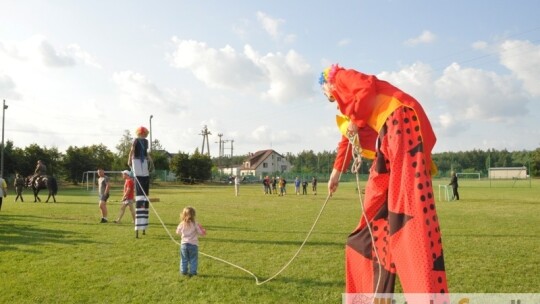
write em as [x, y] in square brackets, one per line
[304, 187]
[19, 186]
[454, 184]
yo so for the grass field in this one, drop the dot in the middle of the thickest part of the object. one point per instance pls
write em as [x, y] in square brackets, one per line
[59, 253]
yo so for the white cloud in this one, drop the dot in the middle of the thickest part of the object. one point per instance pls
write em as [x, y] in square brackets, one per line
[344, 42]
[265, 135]
[8, 88]
[523, 59]
[138, 91]
[281, 77]
[82, 56]
[217, 68]
[416, 80]
[424, 38]
[475, 94]
[54, 58]
[480, 45]
[39, 50]
[270, 25]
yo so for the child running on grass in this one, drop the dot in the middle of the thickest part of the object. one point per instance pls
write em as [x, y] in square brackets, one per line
[128, 198]
[190, 230]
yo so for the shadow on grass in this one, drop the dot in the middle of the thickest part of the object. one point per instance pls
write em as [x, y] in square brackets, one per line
[229, 228]
[274, 242]
[58, 202]
[14, 235]
[478, 235]
[283, 279]
[164, 236]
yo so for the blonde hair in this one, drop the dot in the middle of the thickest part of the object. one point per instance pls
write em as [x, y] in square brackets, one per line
[188, 215]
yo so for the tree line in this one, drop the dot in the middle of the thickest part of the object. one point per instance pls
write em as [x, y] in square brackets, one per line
[71, 165]
[475, 161]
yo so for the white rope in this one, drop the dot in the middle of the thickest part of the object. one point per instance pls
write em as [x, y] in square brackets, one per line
[355, 169]
[257, 280]
[357, 162]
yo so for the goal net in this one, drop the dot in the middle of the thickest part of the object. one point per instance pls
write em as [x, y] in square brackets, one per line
[90, 178]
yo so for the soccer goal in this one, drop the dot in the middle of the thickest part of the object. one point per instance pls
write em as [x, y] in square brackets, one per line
[469, 175]
[89, 177]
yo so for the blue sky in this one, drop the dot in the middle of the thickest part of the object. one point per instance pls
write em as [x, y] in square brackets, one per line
[77, 73]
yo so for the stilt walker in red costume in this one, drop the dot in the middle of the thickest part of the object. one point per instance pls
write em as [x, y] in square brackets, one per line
[139, 160]
[399, 233]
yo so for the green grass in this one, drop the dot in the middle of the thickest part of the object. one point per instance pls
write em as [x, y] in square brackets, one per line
[58, 253]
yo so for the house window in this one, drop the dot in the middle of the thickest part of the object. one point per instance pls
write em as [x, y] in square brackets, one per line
[265, 165]
[279, 159]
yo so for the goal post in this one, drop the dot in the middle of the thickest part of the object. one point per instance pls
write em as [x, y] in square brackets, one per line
[90, 177]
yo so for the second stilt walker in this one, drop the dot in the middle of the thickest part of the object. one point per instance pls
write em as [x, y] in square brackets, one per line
[140, 162]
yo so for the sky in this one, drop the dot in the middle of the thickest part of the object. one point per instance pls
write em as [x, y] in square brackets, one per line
[80, 73]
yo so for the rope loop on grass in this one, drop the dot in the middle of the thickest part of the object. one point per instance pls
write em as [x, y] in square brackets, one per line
[257, 280]
[356, 166]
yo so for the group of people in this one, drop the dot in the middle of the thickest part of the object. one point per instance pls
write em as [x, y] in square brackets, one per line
[273, 184]
[398, 233]
[136, 191]
[20, 182]
[136, 185]
[128, 196]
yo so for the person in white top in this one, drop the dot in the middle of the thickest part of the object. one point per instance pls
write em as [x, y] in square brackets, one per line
[3, 191]
[236, 185]
[190, 230]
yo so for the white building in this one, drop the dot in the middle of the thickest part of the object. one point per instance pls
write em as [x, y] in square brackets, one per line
[508, 173]
[263, 163]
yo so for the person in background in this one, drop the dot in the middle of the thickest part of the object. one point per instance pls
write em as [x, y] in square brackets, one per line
[297, 185]
[236, 185]
[282, 184]
[19, 186]
[454, 184]
[40, 170]
[266, 185]
[128, 198]
[141, 164]
[3, 191]
[190, 230]
[104, 188]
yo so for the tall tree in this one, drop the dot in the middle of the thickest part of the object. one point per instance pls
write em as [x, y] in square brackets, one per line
[79, 160]
[76, 162]
[180, 165]
[122, 151]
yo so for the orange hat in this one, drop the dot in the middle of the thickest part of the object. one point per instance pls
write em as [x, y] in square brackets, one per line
[141, 131]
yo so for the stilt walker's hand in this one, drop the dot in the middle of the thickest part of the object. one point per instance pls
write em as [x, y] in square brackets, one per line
[333, 182]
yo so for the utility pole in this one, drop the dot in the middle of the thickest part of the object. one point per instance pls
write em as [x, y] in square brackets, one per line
[205, 134]
[3, 127]
[232, 142]
[151, 116]
[220, 149]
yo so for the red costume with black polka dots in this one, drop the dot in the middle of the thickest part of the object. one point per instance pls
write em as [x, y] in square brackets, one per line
[399, 203]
